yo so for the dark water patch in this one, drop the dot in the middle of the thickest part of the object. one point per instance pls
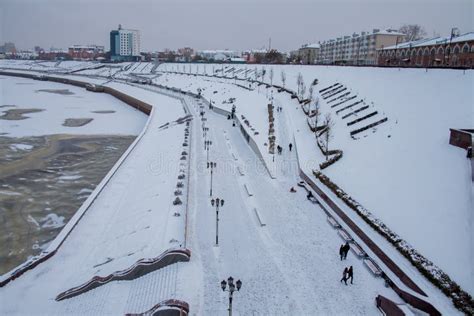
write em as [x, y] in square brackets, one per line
[41, 189]
[57, 91]
[17, 114]
[103, 111]
[76, 122]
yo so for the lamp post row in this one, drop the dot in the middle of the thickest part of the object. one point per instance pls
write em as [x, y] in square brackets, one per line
[219, 203]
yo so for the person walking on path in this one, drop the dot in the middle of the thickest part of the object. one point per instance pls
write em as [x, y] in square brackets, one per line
[350, 274]
[344, 275]
[341, 252]
[346, 249]
[290, 146]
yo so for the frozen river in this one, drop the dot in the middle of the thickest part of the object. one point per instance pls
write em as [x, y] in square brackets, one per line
[57, 142]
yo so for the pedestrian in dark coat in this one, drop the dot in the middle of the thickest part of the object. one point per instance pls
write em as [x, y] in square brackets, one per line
[350, 274]
[346, 249]
[290, 146]
[341, 252]
[344, 275]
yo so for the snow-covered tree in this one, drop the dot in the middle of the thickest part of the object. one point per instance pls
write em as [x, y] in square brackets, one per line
[328, 133]
[316, 112]
[271, 76]
[299, 82]
[303, 90]
[283, 78]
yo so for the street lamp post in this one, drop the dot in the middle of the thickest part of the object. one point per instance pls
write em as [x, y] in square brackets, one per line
[217, 202]
[231, 290]
[211, 165]
[207, 144]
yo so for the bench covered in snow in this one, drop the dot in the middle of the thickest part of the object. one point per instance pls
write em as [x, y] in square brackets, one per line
[344, 235]
[372, 266]
[248, 190]
[358, 251]
[259, 217]
[333, 222]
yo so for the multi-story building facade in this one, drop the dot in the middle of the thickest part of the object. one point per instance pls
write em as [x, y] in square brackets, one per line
[124, 44]
[86, 52]
[358, 49]
[452, 51]
[309, 54]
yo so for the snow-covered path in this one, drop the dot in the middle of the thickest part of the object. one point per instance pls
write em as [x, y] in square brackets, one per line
[289, 266]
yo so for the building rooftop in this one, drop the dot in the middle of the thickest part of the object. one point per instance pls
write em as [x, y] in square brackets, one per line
[434, 41]
[364, 34]
[314, 45]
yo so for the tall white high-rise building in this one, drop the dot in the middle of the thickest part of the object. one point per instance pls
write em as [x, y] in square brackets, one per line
[124, 44]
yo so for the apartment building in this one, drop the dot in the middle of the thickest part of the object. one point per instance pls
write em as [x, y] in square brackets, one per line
[308, 54]
[357, 49]
[86, 52]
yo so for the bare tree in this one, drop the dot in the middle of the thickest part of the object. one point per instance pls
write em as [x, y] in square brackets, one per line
[412, 32]
[303, 90]
[299, 82]
[310, 93]
[263, 74]
[283, 78]
[328, 133]
[271, 76]
[316, 115]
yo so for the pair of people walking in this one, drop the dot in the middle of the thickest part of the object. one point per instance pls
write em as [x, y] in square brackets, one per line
[343, 250]
[347, 274]
[279, 149]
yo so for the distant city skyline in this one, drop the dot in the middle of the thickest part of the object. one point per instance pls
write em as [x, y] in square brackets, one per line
[224, 24]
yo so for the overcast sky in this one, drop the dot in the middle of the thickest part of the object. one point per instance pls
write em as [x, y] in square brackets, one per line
[219, 24]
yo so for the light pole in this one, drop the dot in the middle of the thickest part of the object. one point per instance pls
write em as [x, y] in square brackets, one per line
[231, 290]
[217, 202]
[205, 129]
[207, 144]
[211, 165]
